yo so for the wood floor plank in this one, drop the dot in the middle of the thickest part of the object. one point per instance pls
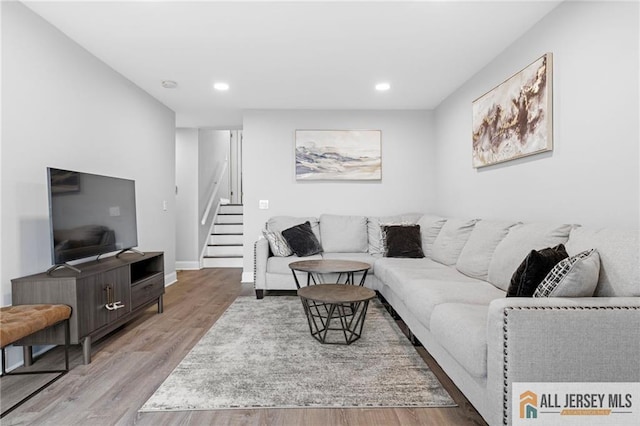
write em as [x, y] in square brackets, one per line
[131, 363]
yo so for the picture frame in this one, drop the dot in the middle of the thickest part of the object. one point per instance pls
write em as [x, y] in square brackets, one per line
[338, 155]
[515, 119]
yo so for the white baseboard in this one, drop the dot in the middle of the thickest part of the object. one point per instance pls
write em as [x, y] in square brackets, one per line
[188, 265]
[171, 278]
[247, 277]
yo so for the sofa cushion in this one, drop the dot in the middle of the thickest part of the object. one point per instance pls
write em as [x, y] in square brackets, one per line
[280, 265]
[477, 252]
[396, 271]
[619, 252]
[280, 223]
[357, 257]
[302, 240]
[402, 241]
[421, 297]
[451, 240]
[533, 269]
[520, 240]
[277, 243]
[374, 228]
[343, 234]
[462, 330]
[430, 227]
[576, 276]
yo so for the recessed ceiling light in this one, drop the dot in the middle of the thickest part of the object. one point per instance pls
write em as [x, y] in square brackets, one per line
[169, 84]
[220, 86]
[382, 87]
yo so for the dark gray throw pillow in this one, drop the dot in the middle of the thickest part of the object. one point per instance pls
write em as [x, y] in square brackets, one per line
[402, 241]
[533, 269]
[302, 240]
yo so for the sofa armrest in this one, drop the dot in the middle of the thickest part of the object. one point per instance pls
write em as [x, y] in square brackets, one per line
[260, 255]
[590, 339]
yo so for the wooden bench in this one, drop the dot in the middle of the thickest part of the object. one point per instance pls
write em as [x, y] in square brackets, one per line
[20, 321]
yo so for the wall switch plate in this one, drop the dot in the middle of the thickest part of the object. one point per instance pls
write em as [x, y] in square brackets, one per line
[263, 204]
[164, 205]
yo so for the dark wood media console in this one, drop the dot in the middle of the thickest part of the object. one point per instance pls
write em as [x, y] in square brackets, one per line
[105, 295]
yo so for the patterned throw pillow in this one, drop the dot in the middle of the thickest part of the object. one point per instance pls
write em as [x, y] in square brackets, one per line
[575, 276]
[277, 243]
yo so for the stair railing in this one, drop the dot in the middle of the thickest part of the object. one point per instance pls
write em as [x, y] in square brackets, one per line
[214, 193]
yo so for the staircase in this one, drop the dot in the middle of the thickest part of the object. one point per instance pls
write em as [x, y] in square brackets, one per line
[224, 249]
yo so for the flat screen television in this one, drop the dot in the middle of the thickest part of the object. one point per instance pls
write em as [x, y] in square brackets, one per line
[90, 215]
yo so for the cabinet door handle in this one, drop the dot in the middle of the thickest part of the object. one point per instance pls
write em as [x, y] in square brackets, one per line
[109, 295]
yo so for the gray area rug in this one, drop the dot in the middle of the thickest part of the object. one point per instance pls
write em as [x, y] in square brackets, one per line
[260, 354]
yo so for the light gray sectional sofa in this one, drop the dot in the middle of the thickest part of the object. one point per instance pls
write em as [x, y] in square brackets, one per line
[453, 300]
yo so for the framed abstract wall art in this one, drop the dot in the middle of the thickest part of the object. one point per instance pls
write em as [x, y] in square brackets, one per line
[515, 119]
[338, 155]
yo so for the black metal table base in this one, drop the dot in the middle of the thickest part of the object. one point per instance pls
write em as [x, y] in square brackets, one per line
[347, 318]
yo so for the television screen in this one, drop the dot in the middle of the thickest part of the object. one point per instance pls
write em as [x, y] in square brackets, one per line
[90, 215]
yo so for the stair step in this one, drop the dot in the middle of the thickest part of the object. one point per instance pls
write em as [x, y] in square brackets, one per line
[231, 208]
[225, 239]
[222, 262]
[227, 228]
[224, 250]
[231, 218]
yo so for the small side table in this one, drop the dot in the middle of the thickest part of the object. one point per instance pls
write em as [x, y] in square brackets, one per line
[326, 304]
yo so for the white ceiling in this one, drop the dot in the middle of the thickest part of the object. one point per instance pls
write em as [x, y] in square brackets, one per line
[289, 55]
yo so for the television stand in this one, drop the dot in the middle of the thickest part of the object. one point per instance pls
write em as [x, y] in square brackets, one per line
[63, 265]
[103, 297]
[141, 253]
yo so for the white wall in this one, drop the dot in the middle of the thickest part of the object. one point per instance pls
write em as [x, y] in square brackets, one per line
[269, 168]
[63, 107]
[187, 251]
[591, 177]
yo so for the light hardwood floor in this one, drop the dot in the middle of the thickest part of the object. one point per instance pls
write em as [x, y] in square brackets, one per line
[131, 363]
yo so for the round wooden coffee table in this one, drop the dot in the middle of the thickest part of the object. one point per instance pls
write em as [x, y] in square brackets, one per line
[315, 269]
[343, 304]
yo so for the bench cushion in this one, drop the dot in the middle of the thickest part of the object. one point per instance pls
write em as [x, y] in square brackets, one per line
[19, 321]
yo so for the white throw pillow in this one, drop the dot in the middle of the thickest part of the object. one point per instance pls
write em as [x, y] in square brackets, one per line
[280, 223]
[575, 276]
[277, 243]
